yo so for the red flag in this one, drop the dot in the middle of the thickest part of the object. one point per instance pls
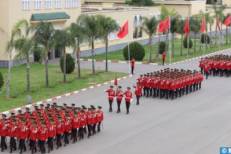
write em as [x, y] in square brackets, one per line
[164, 25]
[203, 25]
[227, 21]
[123, 31]
[187, 27]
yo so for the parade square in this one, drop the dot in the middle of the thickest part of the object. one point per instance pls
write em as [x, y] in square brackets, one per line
[115, 76]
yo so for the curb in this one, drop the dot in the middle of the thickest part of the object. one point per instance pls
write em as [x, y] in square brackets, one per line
[55, 98]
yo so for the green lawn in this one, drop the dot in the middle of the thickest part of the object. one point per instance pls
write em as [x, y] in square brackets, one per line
[38, 90]
[200, 50]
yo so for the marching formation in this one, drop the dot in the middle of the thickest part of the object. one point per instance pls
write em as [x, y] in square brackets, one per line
[170, 83]
[119, 94]
[218, 65]
[48, 125]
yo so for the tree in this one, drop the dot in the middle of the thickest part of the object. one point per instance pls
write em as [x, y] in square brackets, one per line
[91, 28]
[195, 28]
[149, 26]
[180, 30]
[76, 37]
[140, 2]
[23, 45]
[44, 36]
[62, 40]
[107, 26]
[173, 30]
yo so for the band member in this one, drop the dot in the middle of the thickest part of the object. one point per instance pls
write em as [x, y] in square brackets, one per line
[111, 95]
[119, 97]
[128, 97]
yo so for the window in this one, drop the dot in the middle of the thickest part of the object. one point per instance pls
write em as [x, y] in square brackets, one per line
[38, 4]
[71, 3]
[25, 4]
[48, 4]
[57, 4]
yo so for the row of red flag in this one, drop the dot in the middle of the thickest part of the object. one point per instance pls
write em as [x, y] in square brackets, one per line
[164, 26]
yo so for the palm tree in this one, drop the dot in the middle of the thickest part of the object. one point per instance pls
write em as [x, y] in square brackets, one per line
[91, 28]
[195, 28]
[62, 40]
[23, 45]
[173, 29]
[76, 37]
[44, 36]
[180, 30]
[149, 26]
[107, 26]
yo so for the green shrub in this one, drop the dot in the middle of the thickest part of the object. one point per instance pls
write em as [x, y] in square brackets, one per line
[205, 39]
[185, 43]
[137, 51]
[1, 81]
[70, 63]
[162, 47]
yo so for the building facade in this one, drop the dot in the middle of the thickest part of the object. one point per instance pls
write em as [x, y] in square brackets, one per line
[60, 12]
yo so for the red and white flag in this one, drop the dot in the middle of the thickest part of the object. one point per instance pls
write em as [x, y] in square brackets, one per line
[164, 25]
[203, 25]
[227, 21]
[123, 31]
[187, 27]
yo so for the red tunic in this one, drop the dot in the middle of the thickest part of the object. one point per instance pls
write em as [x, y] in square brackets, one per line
[111, 94]
[119, 95]
[33, 133]
[128, 96]
[42, 133]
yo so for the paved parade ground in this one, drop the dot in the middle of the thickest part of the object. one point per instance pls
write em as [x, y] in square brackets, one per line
[198, 123]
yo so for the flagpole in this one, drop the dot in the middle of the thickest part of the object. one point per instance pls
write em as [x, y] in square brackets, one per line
[129, 57]
[188, 38]
[170, 45]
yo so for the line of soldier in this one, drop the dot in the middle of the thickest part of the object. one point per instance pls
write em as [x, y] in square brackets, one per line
[170, 83]
[118, 95]
[48, 124]
[217, 65]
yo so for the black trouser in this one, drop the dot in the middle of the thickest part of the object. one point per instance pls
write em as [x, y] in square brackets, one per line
[66, 139]
[50, 144]
[110, 105]
[33, 146]
[99, 126]
[22, 145]
[89, 127]
[206, 75]
[13, 146]
[127, 106]
[163, 60]
[137, 100]
[93, 128]
[42, 146]
[58, 140]
[3, 143]
[81, 133]
[74, 134]
[118, 105]
[132, 70]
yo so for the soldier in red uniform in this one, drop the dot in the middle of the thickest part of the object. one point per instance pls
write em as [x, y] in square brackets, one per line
[100, 117]
[119, 97]
[111, 95]
[3, 132]
[33, 135]
[59, 133]
[22, 135]
[163, 57]
[132, 65]
[42, 137]
[12, 133]
[138, 93]
[128, 97]
[75, 127]
[51, 133]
